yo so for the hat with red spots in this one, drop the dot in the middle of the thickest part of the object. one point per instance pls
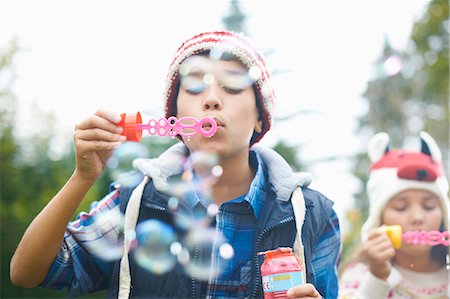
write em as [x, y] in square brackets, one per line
[239, 47]
[394, 171]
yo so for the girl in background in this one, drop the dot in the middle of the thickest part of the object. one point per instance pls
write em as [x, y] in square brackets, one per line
[408, 189]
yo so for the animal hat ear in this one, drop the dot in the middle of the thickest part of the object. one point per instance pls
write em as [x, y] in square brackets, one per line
[430, 147]
[378, 146]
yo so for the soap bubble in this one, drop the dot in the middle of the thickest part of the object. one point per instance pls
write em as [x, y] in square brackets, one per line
[201, 247]
[106, 242]
[206, 171]
[155, 243]
[120, 164]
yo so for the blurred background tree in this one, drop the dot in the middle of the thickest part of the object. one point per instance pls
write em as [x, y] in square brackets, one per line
[409, 94]
[28, 178]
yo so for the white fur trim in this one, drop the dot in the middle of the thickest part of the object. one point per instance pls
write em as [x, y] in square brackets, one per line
[131, 217]
[298, 205]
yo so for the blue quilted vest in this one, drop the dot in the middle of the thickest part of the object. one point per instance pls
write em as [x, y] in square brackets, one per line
[275, 228]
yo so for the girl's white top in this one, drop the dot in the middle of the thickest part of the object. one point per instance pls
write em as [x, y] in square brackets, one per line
[357, 282]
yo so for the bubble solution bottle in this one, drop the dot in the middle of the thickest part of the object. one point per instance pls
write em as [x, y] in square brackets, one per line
[280, 271]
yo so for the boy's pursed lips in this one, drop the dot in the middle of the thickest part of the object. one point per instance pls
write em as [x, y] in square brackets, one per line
[219, 122]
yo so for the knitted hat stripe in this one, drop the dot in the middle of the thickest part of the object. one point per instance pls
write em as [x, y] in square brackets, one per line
[248, 55]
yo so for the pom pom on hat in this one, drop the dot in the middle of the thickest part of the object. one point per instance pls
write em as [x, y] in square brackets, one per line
[394, 171]
[238, 46]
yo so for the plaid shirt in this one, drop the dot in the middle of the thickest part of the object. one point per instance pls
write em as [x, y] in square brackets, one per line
[83, 273]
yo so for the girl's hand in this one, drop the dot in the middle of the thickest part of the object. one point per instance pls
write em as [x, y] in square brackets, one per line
[379, 251]
[305, 291]
[95, 139]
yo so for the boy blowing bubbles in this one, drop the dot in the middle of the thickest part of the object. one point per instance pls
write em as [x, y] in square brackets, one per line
[254, 193]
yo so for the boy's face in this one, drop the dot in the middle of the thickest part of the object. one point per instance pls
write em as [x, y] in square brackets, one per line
[219, 89]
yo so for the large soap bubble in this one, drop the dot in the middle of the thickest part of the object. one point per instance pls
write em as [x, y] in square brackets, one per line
[155, 243]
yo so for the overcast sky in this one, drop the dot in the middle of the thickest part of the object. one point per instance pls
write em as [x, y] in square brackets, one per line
[78, 56]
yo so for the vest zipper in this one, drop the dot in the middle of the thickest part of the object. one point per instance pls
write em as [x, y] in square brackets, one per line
[255, 253]
[162, 209]
[193, 288]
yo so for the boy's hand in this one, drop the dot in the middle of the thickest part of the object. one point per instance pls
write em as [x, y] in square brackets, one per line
[305, 291]
[95, 139]
[379, 251]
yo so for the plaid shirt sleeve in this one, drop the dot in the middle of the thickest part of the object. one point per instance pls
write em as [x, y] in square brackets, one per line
[327, 249]
[76, 267]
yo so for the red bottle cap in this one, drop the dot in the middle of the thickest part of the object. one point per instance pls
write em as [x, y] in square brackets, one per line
[128, 123]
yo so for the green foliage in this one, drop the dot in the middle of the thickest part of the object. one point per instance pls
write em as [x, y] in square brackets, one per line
[289, 153]
[430, 36]
[28, 178]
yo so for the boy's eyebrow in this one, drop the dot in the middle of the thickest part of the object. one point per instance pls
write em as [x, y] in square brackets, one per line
[196, 72]
[235, 72]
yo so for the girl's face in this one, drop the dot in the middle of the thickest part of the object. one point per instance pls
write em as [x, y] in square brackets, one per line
[225, 97]
[414, 210]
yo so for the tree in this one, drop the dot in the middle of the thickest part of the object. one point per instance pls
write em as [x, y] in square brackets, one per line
[29, 178]
[235, 21]
[430, 80]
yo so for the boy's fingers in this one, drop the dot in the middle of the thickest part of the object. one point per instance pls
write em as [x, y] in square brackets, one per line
[98, 134]
[109, 115]
[93, 146]
[306, 290]
[96, 121]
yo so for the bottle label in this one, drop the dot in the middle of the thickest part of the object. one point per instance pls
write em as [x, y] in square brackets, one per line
[281, 281]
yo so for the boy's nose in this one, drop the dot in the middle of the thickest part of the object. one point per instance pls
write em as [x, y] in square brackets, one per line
[212, 100]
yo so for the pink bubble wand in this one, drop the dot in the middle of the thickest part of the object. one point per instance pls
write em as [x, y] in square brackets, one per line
[416, 237]
[186, 126]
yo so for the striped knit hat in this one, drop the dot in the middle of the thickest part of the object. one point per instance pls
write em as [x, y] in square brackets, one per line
[238, 46]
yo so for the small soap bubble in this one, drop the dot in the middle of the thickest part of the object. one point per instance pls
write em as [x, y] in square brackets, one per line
[121, 162]
[226, 251]
[217, 171]
[191, 191]
[208, 78]
[107, 242]
[187, 218]
[154, 242]
[175, 248]
[393, 65]
[183, 257]
[221, 51]
[213, 209]
[173, 203]
[254, 73]
[201, 245]
[205, 165]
